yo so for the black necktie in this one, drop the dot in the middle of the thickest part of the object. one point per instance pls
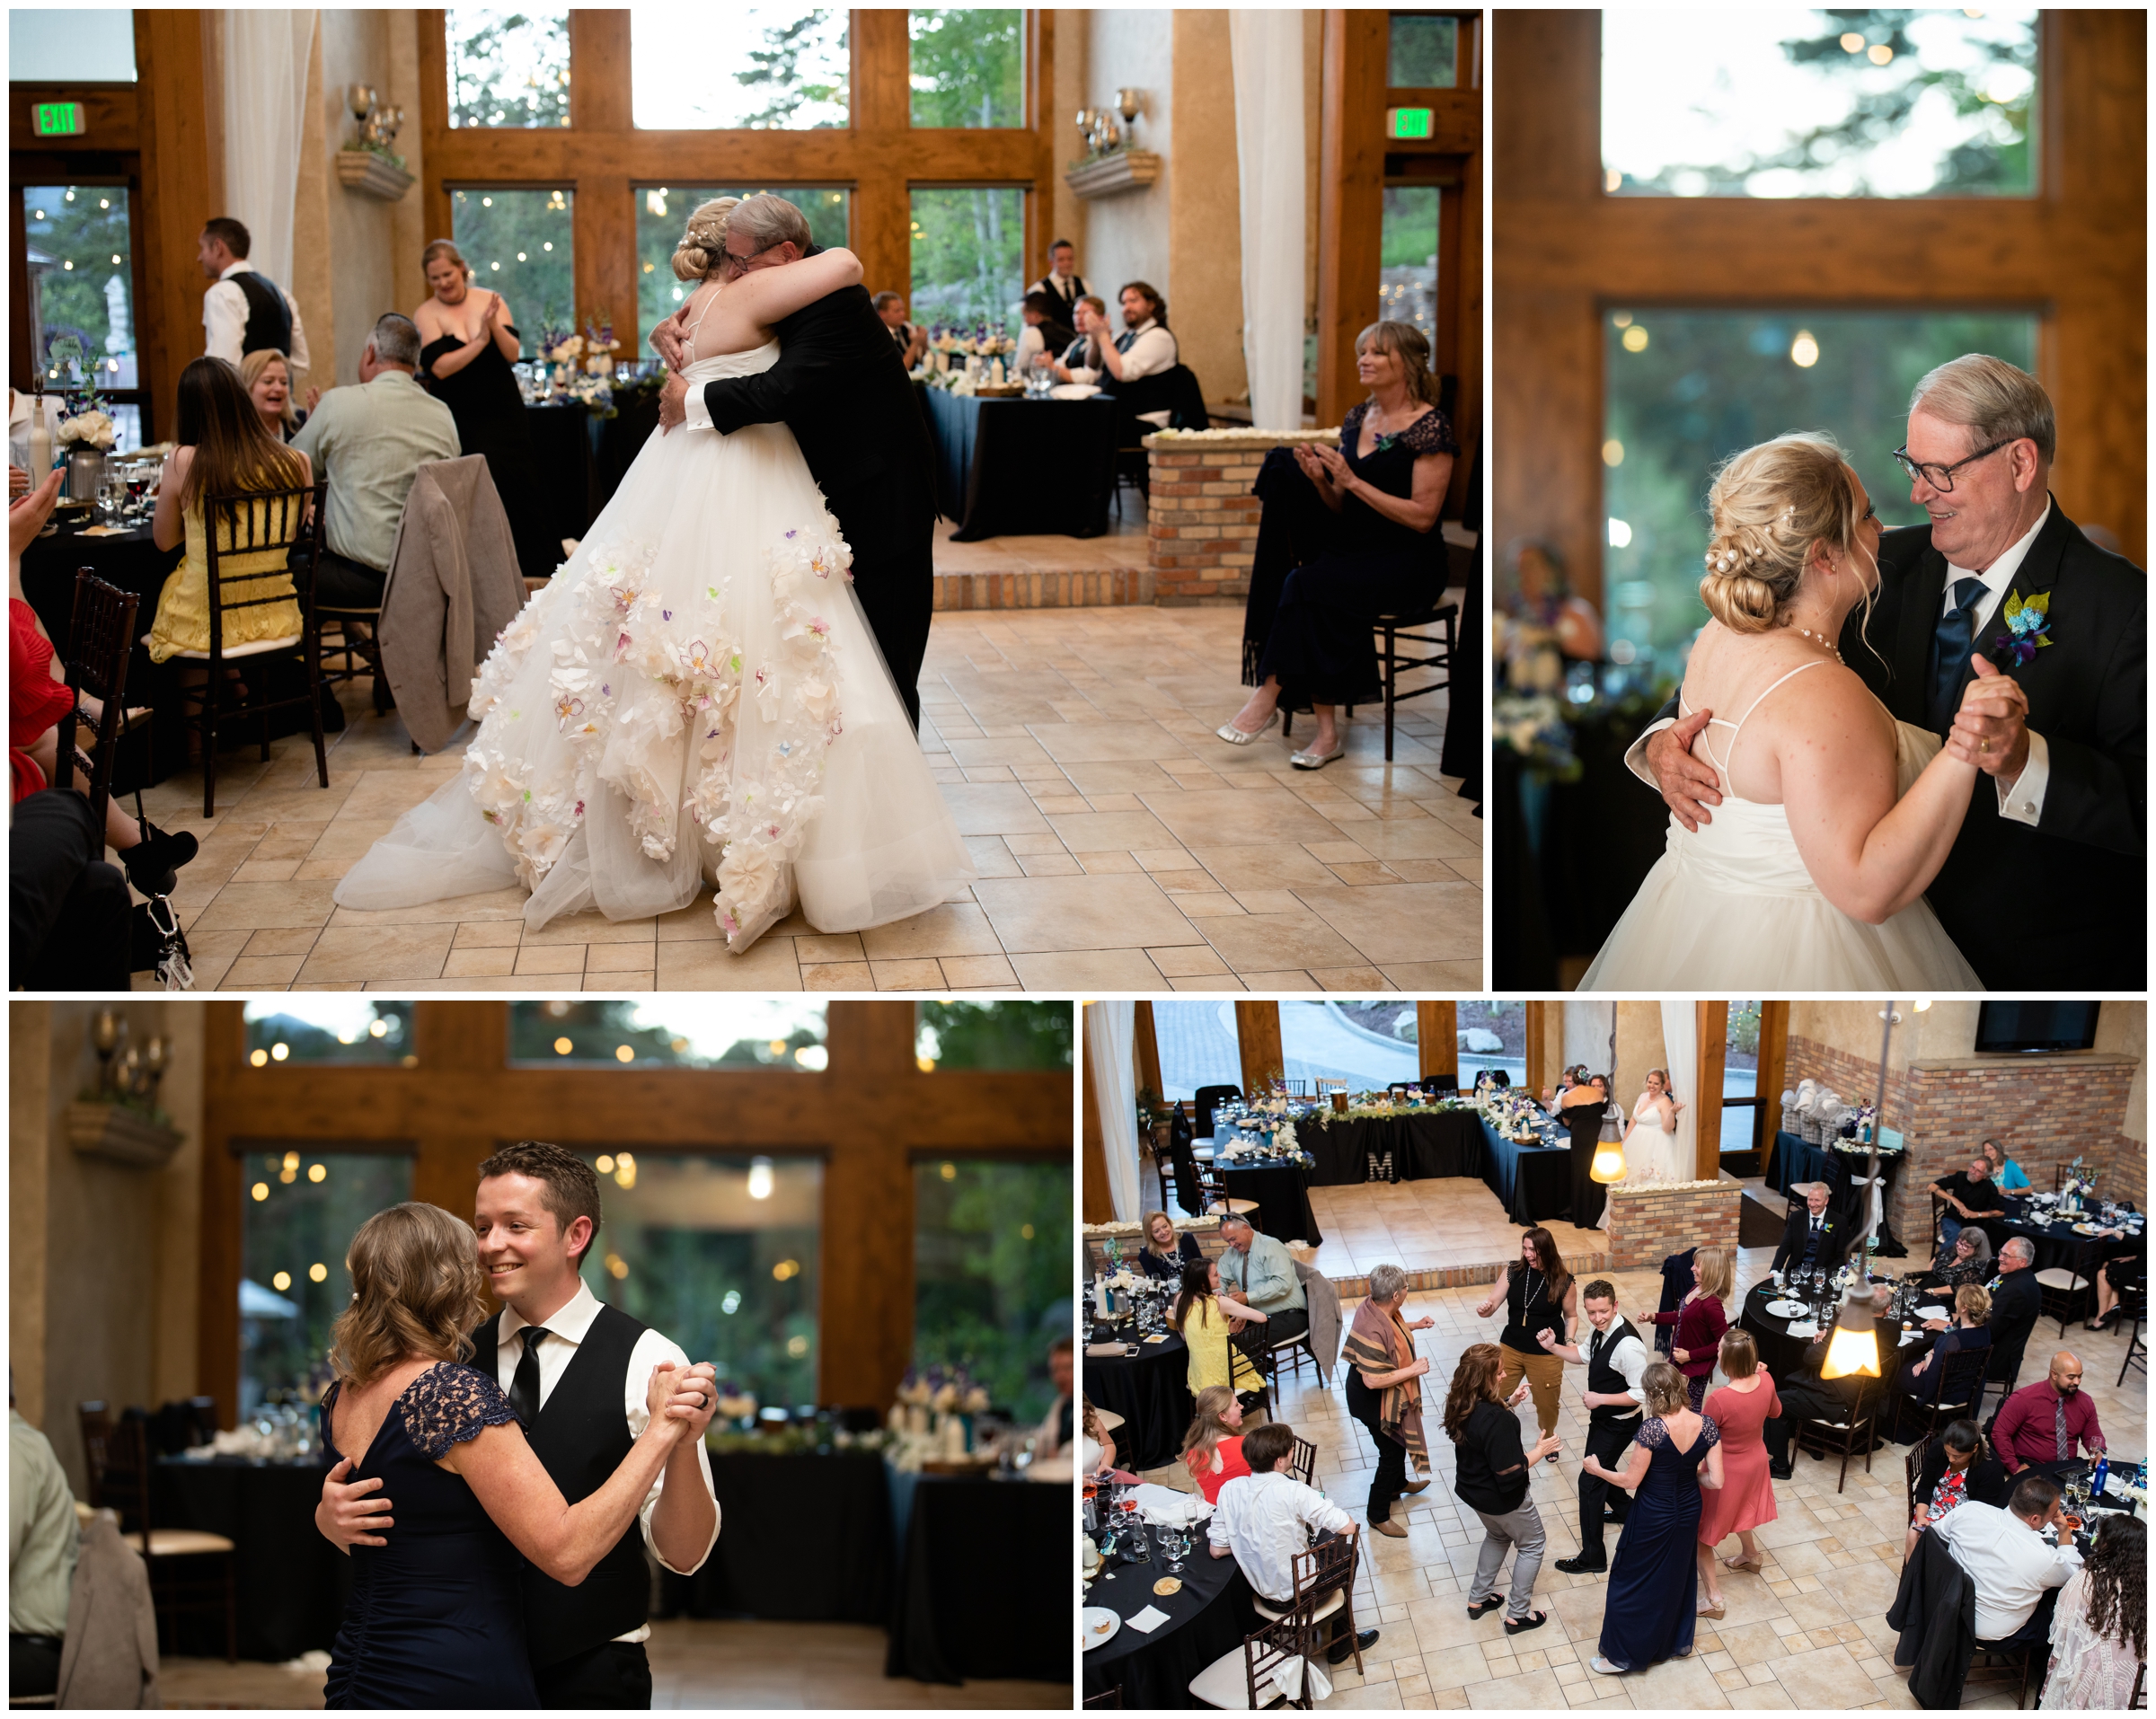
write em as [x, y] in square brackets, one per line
[1950, 650]
[523, 1389]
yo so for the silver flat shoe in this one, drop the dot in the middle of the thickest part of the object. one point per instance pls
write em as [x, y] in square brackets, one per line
[1236, 737]
[1315, 760]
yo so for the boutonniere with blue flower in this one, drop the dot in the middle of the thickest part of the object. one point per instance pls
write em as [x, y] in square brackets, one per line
[2028, 629]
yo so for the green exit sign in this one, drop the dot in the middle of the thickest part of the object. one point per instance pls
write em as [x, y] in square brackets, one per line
[1409, 122]
[58, 119]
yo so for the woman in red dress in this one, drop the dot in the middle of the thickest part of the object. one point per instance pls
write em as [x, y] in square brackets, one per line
[1701, 1321]
[1746, 1498]
[1212, 1447]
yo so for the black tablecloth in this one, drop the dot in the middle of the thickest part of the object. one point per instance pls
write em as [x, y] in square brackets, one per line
[1282, 1190]
[1782, 1355]
[983, 1579]
[1796, 1161]
[1151, 1392]
[292, 1583]
[1210, 1617]
[802, 1538]
[622, 438]
[1023, 467]
[1442, 1143]
[2056, 1245]
[1533, 1181]
[564, 442]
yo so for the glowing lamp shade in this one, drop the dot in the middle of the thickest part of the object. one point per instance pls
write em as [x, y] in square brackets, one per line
[1609, 1161]
[1854, 1347]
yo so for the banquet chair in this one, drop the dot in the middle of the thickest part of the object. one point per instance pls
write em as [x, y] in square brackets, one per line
[1327, 1086]
[1832, 1436]
[1960, 1393]
[100, 640]
[249, 523]
[1295, 1088]
[2140, 1697]
[1251, 1345]
[1430, 630]
[1912, 1469]
[1109, 1698]
[1304, 1463]
[2063, 1293]
[1235, 1681]
[1498, 1078]
[117, 1454]
[1202, 1104]
[1324, 1584]
[2137, 1352]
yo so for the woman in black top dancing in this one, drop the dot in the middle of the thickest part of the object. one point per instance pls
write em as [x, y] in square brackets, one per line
[1347, 534]
[1538, 1293]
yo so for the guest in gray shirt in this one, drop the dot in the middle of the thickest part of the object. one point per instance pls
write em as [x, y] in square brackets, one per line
[372, 440]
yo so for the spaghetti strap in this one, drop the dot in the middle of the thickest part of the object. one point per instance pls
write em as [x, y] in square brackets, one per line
[1737, 727]
[689, 333]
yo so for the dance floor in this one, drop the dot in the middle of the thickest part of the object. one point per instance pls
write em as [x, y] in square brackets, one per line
[1809, 1632]
[694, 1663]
[1119, 845]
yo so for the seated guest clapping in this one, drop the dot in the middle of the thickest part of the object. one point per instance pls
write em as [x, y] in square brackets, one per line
[1164, 1254]
[2017, 1575]
[1080, 360]
[1958, 1467]
[1045, 333]
[1144, 347]
[1347, 534]
[911, 342]
[266, 375]
[1212, 1447]
[1966, 1259]
[1264, 1518]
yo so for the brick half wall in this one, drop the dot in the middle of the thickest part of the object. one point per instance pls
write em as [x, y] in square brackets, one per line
[1646, 1225]
[1202, 519]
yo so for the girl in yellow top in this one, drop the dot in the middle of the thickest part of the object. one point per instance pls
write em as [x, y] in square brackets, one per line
[1201, 1317]
[224, 449]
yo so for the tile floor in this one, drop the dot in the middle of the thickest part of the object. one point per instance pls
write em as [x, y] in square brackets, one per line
[1119, 846]
[1808, 1632]
[694, 1663]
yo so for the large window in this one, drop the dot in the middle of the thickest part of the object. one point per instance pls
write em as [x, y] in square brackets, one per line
[967, 268]
[299, 1212]
[1740, 1079]
[349, 1030]
[674, 1032]
[1883, 102]
[992, 1035]
[1368, 1045]
[1198, 1047]
[81, 283]
[1492, 1036]
[1686, 389]
[1423, 51]
[968, 68]
[508, 68]
[520, 245]
[721, 1254]
[1407, 281]
[781, 68]
[63, 45]
[662, 211]
[992, 1274]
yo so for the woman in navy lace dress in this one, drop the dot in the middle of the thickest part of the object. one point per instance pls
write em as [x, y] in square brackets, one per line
[1347, 534]
[1654, 1579]
[436, 1617]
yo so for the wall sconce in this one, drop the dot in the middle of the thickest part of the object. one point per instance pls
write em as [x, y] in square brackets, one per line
[378, 125]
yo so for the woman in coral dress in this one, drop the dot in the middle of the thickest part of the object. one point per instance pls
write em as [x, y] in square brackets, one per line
[1746, 1498]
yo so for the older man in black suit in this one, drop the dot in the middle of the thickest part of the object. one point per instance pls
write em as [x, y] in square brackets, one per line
[840, 387]
[1812, 1239]
[2064, 821]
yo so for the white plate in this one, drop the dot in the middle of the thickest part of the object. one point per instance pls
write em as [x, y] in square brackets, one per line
[1090, 1632]
[1785, 1310]
[1930, 1313]
[2085, 1229]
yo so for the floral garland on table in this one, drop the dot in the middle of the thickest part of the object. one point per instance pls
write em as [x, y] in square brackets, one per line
[1385, 1107]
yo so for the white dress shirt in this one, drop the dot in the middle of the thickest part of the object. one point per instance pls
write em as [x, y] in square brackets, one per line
[1261, 1519]
[1152, 349]
[225, 320]
[2009, 1561]
[565, 1331]
[1629, 1358]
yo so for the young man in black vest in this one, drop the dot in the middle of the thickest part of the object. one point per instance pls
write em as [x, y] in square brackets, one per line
[244, 311]
[575, 1370]
[1615, 1357]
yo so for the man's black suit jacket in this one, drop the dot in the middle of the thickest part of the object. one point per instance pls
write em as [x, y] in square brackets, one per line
[1834, 1245]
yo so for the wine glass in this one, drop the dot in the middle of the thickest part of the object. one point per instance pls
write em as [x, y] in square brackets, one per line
[1175, 1542]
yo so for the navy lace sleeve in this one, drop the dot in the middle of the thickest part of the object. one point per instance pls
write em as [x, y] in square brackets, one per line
[451, 1404]
[1351, 426]
[1711, 1434]
[1652, 1434]
[1429, 434]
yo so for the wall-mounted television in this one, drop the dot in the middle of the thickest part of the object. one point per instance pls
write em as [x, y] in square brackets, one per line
[2005, 1029]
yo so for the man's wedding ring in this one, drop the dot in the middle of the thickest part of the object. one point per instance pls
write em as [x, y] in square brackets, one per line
[1983, 745]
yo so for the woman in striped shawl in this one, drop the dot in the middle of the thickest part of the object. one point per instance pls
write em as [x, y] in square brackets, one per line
[1383, 1392]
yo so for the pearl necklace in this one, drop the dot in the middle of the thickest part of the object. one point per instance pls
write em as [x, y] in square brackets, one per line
[1832, 648]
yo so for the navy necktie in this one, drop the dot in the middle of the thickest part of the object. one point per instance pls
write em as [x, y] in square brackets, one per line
[1127, 340]
[1950, 650]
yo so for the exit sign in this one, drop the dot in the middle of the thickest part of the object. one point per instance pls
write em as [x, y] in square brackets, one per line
[1408, 122]
[58, 119]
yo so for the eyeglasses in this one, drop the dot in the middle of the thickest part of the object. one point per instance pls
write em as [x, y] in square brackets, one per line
[1941, 477]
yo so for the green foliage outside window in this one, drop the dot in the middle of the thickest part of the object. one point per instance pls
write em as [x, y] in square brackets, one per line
[508, 68]
[299, 1030]
[993, 1035]
[703, 1032]
[1744, 1035]
[966, 243]
[1425, 52]
[82, 280]
[521, 245]
[1407, 289]
[968, 68]
[992, 1274]
[662, 211]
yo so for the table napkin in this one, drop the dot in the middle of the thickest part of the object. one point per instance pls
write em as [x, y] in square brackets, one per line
[1165, 1506]
[1148, 1620]
[1288, 1677]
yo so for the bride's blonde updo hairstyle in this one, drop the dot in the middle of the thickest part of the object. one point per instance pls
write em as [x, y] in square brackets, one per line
[1771, 504]
[703, 239]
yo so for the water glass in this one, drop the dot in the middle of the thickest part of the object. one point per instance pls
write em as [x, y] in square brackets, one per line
[111, 494]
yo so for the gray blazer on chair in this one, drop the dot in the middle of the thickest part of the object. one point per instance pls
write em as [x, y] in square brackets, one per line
[1324, 1318]
[110, 1658]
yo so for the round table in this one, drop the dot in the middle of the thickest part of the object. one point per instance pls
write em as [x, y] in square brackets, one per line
[1151, 1390]
[1208, 1618]
[291, 1584]
[2057, 1243]
[1281, 1187]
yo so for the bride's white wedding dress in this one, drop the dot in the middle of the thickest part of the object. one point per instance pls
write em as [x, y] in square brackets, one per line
[1651, 1149]
[697, 694]
[1732, 906]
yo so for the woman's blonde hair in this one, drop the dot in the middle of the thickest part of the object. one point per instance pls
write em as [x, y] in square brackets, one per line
[1146, 1230]
[1666, 1390]
[1740, 1354]
[417, 1290]
[1771, 504]
[704, 239]
[1711, 1265]
[1412, 346]
[443, 248]
[252, 367]
[1207, 1428]
[1973, 1301]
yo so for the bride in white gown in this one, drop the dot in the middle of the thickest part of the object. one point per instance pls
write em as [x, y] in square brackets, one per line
[1834, 818]
[1650, 1144]
[695, 695]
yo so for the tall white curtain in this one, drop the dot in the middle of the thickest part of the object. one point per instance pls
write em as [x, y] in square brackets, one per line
[1108, 1029]
[1266, 52]
[1681, 1055]
[266, 56]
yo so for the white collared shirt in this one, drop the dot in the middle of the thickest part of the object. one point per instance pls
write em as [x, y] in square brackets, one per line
[2023, 803]
[2009, 1561]
[1261, 1519]
[565, 1331]
[1152, 351]
[1630, 1357]
[224, 320]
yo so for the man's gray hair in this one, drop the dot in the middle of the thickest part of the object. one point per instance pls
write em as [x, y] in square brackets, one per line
[1997, 400]
[397, 340]
[2020, 1247]
[1386, 1282]
[768, 220]
[1242, 1218]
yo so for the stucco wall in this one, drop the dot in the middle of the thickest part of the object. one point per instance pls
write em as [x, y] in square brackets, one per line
[1205, 207]
[354, 48]
[1127, 236]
